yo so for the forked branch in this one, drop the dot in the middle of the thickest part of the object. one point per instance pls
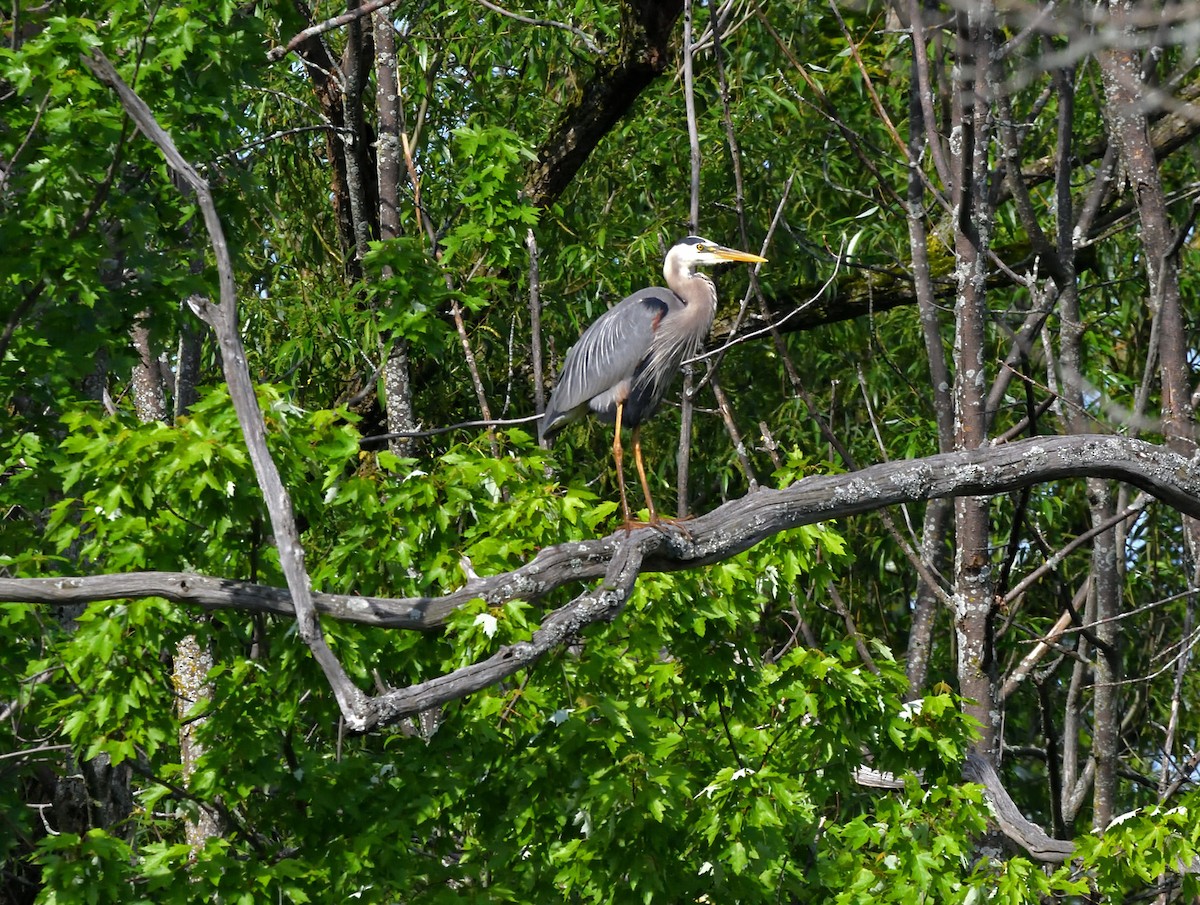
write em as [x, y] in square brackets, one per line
[716, 536]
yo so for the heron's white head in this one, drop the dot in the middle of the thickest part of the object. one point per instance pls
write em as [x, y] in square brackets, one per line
[694, 251]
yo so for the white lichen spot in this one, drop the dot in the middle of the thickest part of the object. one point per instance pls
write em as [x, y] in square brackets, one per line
[912, 482]
[358, 604]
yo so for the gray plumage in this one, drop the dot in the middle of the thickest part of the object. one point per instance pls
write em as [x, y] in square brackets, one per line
[624, 362]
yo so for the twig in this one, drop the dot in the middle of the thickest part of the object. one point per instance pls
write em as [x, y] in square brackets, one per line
[1031, 659]
[1135, 508]
[770, 447]
[275, 54]
[869, 84]
[683, 455]
[754, 290]
[535, 323]
[473, 368]
[13, 706]
[29, 752]
[1191, 636]
[739, 447]
[774, 325]
[588, 41]
[689, 100]
[7, 171]
[18, 313]
[449, 428]
[842, 610]
[283, 133]
[1173, 724]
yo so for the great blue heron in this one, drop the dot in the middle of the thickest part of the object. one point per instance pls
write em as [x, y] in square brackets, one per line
[625, 361]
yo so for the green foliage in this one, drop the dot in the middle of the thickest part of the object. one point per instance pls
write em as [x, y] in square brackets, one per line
[702, 746]
[1143, 847]
[495, 218]
[665, 751]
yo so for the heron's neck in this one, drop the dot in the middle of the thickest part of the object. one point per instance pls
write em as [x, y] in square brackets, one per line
[696, 290]
[699, 297]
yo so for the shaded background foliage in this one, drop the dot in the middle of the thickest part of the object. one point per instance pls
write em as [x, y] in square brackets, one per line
[705, 743]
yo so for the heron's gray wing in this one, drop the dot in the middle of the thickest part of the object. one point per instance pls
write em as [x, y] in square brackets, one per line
[601, 363]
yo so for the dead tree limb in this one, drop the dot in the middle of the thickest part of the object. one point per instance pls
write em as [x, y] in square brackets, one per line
[713, 537]
[1012, 822]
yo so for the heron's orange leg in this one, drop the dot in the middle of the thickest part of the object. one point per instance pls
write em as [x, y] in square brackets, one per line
[637, 458]
[618, 454]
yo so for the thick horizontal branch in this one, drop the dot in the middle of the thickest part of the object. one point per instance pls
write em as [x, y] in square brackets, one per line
[720, 534]
[551, 568]
[558, 629]
[713, 537]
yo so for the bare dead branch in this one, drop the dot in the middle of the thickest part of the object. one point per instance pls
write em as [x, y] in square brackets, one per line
[450, 428]
[1134, 508]
[1044, 646]
[6, 170]
[1012, 822]
[716, 536]
[588, 41]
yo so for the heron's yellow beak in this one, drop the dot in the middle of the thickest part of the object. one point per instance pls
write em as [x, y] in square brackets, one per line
[732, 254]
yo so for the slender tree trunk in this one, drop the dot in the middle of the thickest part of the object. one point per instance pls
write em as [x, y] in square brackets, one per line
[388, 151]
[187, 368]
[973, 578]
[936, 527]
[320, 66]
[90, 794]
[354, 77]
[683, 456]
[149, 392]
[1103, 579]
[1106, 715]
[535, 325]
[397, 373]
[1129, 129]
[192, 664]
[935, 552]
